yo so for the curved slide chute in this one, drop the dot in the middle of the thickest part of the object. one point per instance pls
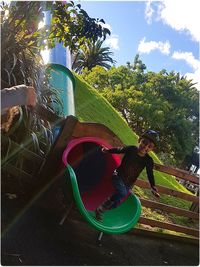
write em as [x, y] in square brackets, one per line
[90, 171]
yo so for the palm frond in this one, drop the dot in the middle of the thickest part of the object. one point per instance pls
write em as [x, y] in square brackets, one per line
[91, 55]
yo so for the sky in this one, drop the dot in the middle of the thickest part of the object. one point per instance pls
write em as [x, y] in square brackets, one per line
[166, 33]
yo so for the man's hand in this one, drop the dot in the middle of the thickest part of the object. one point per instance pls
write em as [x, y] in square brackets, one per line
[154, 191]
[31, 96]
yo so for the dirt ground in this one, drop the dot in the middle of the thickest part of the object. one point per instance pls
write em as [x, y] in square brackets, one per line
[37, 238]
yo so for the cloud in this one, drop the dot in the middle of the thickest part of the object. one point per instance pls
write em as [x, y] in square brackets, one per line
[146, 47]
[149, 12]
[188, 57]
[181, 16]
[113, 42]
[192, 62]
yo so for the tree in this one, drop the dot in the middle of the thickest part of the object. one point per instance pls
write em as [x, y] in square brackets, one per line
[92, 54]
[72, 26]
[166, 102]
[138, 65]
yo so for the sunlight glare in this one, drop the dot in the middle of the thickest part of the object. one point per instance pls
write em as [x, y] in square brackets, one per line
[41, 24]
[45, 55]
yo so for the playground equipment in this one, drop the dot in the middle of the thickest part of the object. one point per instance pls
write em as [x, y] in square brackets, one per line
[87, 168]
[88, 171]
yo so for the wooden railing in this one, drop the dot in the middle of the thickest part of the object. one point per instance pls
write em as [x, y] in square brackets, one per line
[156, 205]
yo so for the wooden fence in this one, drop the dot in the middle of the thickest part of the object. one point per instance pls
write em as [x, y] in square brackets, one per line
[155, 205]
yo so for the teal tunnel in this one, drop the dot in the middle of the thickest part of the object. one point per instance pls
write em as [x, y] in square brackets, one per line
[62, 81]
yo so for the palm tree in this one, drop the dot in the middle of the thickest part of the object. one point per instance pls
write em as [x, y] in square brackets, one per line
[91, 55]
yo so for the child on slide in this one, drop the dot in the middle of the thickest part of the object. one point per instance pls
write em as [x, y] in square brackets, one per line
[135, 159]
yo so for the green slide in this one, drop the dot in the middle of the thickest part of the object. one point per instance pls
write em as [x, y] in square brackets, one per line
[115, 221]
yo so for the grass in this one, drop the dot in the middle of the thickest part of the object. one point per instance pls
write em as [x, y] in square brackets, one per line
[92, 107]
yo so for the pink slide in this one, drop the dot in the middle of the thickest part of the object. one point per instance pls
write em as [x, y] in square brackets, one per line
[92, 167]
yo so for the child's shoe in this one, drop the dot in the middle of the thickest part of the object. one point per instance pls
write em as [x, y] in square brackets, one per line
[99, 214]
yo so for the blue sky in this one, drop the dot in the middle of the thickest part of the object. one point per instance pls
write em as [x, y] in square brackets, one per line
[165, 33]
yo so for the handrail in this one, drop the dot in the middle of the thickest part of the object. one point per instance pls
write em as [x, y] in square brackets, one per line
[177, 172]
[168, 191]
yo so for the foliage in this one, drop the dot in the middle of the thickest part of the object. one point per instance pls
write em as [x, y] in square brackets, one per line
[166, 102]
[92, 54]
[72, 26]
[20, 58]
[21, 63]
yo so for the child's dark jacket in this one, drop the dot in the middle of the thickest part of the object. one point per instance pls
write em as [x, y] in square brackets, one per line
[132, 165]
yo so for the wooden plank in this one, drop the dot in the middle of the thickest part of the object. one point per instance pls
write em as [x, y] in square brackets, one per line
[177, 172]
[96, 130]
[168, 191]
[169, 226]
[169, 209]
